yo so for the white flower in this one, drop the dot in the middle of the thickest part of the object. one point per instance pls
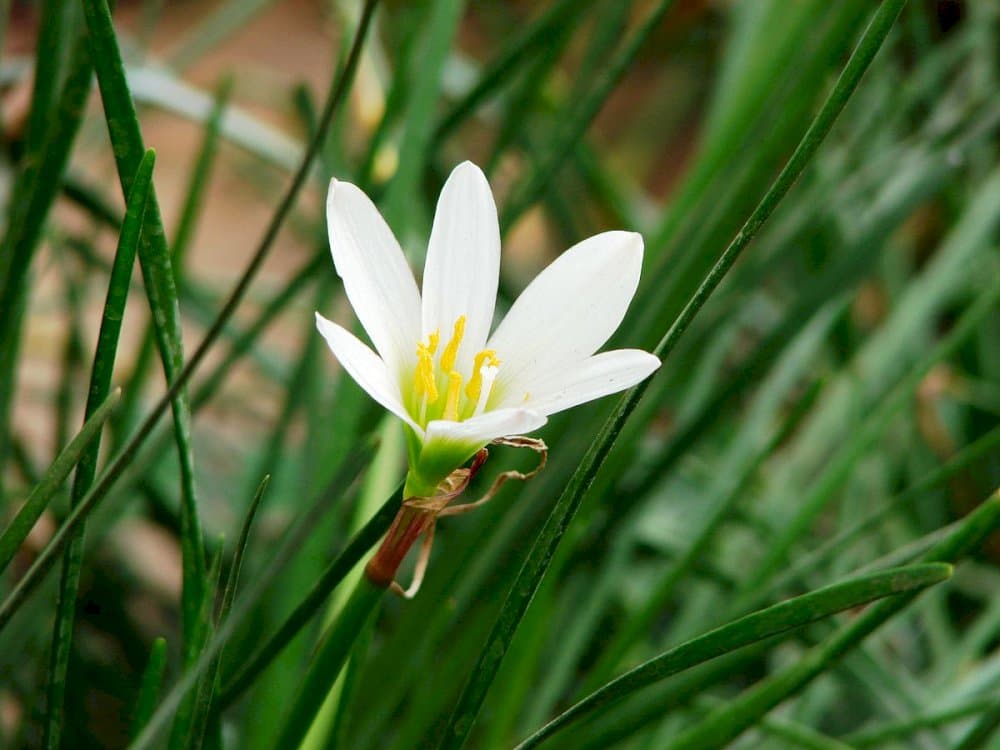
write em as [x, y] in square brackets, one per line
[455, 386]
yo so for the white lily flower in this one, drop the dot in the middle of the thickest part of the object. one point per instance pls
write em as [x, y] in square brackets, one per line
[437, 368]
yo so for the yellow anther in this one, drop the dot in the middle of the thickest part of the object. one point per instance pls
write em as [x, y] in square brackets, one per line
[451, 402]
[475, 386]
[424, 376]
[432, 341]
[451, 350]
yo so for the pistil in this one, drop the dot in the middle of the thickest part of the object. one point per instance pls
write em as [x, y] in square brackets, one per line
[428, 373]
[451, 401]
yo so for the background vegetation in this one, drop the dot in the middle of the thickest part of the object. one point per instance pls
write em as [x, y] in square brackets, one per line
[823, 431]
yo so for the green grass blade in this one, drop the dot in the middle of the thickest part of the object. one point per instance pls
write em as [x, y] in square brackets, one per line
[53, 40]
[727, 723]
[815, 558]
[982, 731]
[189, 216]
[536, 36]
[33, 196]
[312, 603]
[97, 393]
[242, 611]
[576, 125]
[183, 728]
[879, 735]
[439, 31]
[19, 528]
[123, 460]
[774, 620]
[157, 273]
[149, 687]
[200, 176]
[566, 506]
[656, 601]
[328, 661]
[208, 683]
[870, 430]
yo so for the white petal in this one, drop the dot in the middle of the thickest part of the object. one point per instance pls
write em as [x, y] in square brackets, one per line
[480, 430]
[368, 371]
[597, 376]
[463, 262]
[377, 280]
[570, 309]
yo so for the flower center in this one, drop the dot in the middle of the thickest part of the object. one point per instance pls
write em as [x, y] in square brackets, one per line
[435, 376]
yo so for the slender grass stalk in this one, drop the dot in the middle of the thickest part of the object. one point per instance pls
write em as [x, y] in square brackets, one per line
[189, 216]
[440, 29]
[124, 458]
[363, 541]
[761, 625]
[339, 485]
[728, 722]
[157, 273]
[97, 393]
[184, 727]
[574, 127]
[524, 588]
[207, 685]
[502, 65]
[51, 139]
[43, 492]
[149, 688]
[329, 660]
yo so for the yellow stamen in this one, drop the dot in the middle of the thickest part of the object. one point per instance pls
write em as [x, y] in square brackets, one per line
[424, 376]
[432, 341]
[451, 402]
[485, 357]
[451, 350]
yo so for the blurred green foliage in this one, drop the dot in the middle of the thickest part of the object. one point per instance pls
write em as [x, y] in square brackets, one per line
[823, 431]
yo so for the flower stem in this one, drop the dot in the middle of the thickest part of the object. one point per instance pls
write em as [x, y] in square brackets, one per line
[330, 658]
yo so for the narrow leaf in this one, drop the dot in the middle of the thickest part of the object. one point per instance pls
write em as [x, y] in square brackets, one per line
[184, 720]
[363, 541]
[122, 461]
[777, 619]
[33, 196]
[242, 611]
[157, 273]
[576, 125]
[326, 664]
[100, 384]
[728, 722]
[149, 688]
[533, 570]
[19, 528]
[438, 33]
[208, 683]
